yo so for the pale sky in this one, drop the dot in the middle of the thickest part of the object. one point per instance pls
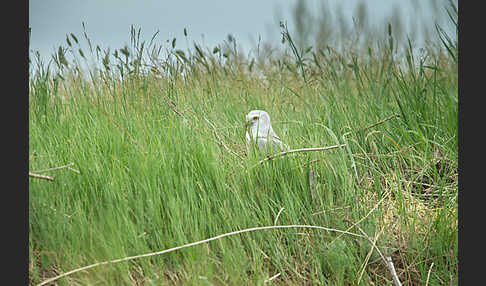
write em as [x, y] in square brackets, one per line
[108, 21]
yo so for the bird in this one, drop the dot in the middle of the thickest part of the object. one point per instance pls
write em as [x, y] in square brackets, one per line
[259, 132]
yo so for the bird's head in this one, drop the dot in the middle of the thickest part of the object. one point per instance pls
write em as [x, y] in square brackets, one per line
[257, 120]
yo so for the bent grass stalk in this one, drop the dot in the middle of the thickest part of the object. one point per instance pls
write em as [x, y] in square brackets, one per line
[193, 244]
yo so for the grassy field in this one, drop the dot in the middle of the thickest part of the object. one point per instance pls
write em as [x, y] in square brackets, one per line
[159, 160]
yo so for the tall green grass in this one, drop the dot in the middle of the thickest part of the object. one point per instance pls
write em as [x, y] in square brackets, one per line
[146, 129]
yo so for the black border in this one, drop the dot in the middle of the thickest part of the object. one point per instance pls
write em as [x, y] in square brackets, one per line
[469, 214]
[15, 142]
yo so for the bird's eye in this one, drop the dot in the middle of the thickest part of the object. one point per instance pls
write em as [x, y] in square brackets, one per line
[255, 118]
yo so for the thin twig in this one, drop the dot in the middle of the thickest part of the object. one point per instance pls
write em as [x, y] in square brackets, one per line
[390, 265]
[38, 176]
[380, 122]
[172, 106]
[221, 142]
[55, 168]
[428, 274]
[427, 185]
[360, 130]
[390, 154]
[372, 125]
[271, 278]
[193, 244]
[74, 170]
[284, 153]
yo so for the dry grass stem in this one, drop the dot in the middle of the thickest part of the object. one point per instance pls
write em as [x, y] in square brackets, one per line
[271, 278]
[372, 125]
[373, 246]
[331, 210]
[278, 215]
[428, 274]
[311, 184]
[368, 214]
[381, 121]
